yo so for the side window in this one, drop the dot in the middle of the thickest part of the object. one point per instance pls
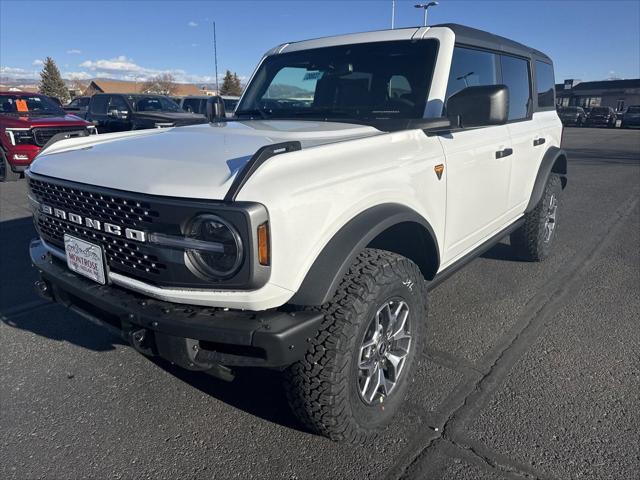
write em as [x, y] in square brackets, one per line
[116, 102]
[191, 105]
[545, 84]
[471, 68]
[515, 75]
[99, 104]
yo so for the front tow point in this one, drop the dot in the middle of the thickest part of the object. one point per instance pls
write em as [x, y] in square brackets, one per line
[139, 339]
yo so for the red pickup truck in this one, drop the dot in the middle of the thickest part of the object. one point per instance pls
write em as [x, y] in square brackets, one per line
[28, 122]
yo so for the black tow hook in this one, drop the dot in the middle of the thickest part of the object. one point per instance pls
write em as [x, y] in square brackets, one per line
[43, 289]
[140, 340]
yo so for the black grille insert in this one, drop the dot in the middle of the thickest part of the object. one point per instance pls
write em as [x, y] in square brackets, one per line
[41, 135]
[103, 207]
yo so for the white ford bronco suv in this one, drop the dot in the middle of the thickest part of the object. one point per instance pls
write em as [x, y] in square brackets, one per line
[305, 233]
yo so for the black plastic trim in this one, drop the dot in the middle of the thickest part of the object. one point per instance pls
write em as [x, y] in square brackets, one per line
[262, 155]
[476, 252]
[323, 277]
[546, 167]
[269, 338]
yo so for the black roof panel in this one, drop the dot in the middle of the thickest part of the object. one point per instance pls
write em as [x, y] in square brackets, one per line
[480, 38]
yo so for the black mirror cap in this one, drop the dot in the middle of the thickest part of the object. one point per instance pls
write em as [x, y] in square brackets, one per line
[479, 106]
[215, 109]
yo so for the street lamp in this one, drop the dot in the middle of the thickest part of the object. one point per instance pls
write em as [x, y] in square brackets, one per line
[425, 7]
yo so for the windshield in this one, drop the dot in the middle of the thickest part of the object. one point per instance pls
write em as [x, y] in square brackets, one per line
[154, 104]
[381, 80]
[29, 105]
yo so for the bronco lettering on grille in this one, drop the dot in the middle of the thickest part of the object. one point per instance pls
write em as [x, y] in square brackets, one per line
[129, 233]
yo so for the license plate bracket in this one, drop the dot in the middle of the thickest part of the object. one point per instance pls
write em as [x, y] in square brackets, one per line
[85, 258]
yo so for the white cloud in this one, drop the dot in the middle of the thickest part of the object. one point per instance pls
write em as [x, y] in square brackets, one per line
[74, 51]
[118, 68]
[13, 73]
[76, 75]
[125, 68]
[195, 44]
[192, 24]
[37, 62]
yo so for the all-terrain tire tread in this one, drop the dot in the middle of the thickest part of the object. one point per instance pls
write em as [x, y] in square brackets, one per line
[316, 386]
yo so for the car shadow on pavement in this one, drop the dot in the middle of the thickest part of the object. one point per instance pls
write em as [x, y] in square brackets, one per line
[258, 392]
[21, 307]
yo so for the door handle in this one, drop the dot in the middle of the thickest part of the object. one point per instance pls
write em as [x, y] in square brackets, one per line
[538, 141]
[504, 153]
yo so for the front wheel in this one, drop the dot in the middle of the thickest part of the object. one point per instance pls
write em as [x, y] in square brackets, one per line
[533, 240]
[357, 369]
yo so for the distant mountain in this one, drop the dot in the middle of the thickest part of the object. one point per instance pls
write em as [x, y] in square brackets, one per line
[288, 91]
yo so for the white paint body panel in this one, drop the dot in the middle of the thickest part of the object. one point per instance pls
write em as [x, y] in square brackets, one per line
[342, 170]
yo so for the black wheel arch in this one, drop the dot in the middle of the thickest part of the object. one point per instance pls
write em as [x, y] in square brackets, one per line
[393, 227]
[554, 161]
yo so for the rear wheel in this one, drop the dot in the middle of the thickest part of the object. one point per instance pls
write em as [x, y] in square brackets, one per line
[533, 240]
[6, 174]
[356, 372]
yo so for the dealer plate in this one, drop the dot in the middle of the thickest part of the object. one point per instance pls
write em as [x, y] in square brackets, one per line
[85, 258]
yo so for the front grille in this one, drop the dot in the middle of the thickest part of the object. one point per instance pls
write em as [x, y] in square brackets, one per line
[122, 255]
[107, 208]
[145, 261]
[41, 135]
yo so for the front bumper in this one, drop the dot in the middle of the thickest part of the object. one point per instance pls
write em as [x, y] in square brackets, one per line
[194, 337]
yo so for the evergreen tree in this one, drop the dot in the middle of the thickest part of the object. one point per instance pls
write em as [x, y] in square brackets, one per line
[230, 84]
[51, 82]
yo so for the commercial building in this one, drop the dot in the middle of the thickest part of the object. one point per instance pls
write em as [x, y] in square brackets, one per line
[617, 94]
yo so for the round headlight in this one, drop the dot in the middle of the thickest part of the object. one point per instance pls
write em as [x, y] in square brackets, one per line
[221, 252]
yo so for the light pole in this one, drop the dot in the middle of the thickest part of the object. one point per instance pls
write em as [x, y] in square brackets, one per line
[425, 7]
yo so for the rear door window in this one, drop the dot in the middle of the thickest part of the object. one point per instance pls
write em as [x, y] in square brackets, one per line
[545, 85]
[515, 75]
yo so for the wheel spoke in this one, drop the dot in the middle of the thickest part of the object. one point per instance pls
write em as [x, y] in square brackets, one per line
[395, 363]
[374, 385]
[401, 322]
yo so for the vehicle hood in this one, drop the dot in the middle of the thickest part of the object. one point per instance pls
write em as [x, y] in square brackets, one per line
[32, 121]
[177, 118]
[198, 161]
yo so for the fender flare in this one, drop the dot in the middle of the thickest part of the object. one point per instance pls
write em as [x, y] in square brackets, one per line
[554, 161]
[328, 269]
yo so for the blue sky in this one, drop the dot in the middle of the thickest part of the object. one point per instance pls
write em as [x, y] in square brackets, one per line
[590, 40]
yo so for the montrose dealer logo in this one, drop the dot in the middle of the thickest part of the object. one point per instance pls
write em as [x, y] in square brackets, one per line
[129, 233]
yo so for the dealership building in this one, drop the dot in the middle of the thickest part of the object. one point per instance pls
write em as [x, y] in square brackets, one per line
[617, 94]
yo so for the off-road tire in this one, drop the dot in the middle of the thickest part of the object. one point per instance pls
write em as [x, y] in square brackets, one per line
[322, 388]
[530, 240]
[6, 174]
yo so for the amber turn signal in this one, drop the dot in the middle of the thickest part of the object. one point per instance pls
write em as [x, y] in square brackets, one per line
[263, 244]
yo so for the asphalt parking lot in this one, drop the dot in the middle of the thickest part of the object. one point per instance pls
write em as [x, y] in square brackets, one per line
[531, 371]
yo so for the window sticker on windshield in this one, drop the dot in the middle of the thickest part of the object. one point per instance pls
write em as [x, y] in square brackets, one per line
[21, 105]
[312, 76]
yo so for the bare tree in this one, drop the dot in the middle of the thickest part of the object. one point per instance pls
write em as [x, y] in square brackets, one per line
[78, 87]
[162, 84]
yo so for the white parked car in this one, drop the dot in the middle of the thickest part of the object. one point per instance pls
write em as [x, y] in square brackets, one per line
[305, 234]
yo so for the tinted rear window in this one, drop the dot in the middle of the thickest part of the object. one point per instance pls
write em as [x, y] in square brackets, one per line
[545, 85]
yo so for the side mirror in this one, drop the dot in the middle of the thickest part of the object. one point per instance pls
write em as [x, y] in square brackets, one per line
[215, 109]
[113, 113]
[479, 106]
